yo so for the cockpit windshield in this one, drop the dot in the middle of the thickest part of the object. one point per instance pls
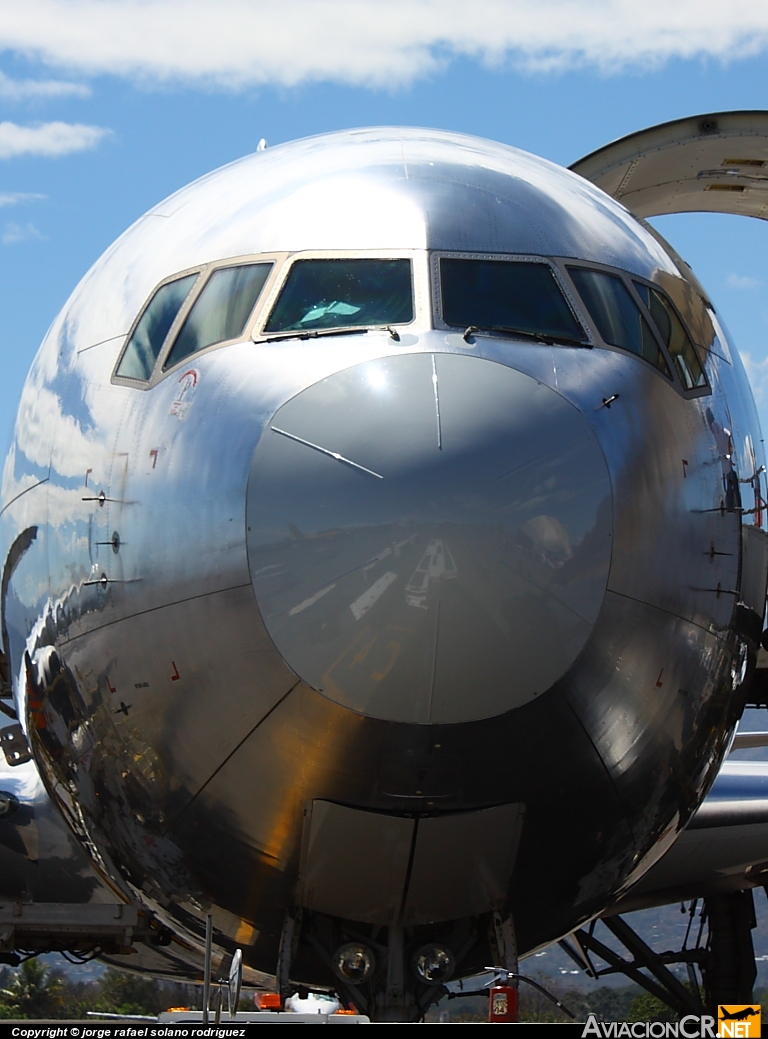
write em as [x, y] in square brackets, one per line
[221, 310]
[343, 293]
[506, 295]
[145, 344]
[616, 314]
[676, 338]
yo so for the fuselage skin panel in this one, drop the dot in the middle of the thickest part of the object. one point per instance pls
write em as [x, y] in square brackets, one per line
[215, 627]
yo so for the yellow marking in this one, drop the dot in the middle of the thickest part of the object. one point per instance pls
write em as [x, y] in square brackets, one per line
[245, 933]
[328, 683]
[377, 676]
[361, 654]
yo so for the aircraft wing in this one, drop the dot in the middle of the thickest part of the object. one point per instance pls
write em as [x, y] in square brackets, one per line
[708, 163]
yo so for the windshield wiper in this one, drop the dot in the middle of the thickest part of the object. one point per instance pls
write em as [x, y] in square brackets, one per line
[537, 337]
[344, 330]
[315, 333]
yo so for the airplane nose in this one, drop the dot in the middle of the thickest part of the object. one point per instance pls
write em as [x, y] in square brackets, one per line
[429, 536]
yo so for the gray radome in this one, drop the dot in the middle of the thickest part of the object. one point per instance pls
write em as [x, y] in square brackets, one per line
[424, 525]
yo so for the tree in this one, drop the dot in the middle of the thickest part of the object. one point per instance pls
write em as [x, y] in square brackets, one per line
[646, 1007]
[34, 990]
[122, 993]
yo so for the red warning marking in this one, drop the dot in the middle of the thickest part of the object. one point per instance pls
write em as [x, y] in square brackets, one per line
[87, 474]
[658, 680]
[153, 456]
[110, 686]
[685, 471]
[175, 676]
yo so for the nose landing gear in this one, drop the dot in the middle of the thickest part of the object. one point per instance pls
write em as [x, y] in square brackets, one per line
[390, 973]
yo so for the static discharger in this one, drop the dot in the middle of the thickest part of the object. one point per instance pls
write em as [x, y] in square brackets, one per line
[325, 451]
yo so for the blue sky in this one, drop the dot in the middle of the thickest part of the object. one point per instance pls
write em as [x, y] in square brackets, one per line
[106, 106]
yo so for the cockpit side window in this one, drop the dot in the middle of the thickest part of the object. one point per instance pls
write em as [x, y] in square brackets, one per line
[506, 296]
[221, 310]
[616, 315]
[673, 332]
[146, 342]
[343, 294]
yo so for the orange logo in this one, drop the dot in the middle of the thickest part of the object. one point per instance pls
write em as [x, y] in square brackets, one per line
[738, 1021]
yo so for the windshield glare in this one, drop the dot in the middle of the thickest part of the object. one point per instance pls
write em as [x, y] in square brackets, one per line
[343, 293]
[506, 294]
[616, 314]
[221, 310]
[675, 336]
[148, 337]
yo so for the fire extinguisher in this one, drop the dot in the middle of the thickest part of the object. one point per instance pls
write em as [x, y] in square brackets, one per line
[502, 1004]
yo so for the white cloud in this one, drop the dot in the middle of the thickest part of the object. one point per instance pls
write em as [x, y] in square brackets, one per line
[238, 43]
[33, 89]
[14, 233]
[15, 198]
[757, 370]
[71, 451]
[742, 281]
[758, 376]
[48, 139]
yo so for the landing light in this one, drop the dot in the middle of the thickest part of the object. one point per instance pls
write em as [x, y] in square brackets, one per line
[433, 964]
[354, 962]
[8, 804]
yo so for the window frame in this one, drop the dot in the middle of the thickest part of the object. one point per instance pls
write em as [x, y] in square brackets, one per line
[426, 299]
[272, 291]
[628, 278]
[124, 380]
[204, 272]
[614, 272]
[695, 391]
[565, 286]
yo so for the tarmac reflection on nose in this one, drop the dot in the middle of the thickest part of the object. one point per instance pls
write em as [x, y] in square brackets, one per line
[429, 536]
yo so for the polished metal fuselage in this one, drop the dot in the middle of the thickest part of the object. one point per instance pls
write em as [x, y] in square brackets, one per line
[172, 709]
